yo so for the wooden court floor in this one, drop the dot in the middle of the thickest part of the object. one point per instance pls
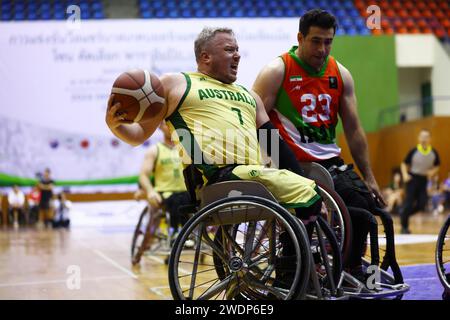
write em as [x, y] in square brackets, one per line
[88, 263]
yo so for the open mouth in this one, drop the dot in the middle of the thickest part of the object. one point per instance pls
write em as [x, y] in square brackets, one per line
[234, 67]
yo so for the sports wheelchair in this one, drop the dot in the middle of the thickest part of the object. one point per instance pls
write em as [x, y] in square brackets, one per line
[253, 248]
[442, 258]
[149, 237]
[387, 284]
[243, 232]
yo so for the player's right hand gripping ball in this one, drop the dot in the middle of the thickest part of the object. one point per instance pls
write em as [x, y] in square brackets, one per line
[140, 94]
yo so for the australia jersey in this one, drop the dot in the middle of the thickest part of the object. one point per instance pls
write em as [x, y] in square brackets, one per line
[215, 124]
[306, 108]
[168, 170]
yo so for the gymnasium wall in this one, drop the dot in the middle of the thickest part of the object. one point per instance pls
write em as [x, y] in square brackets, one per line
[388, 147]
[426, 51]
[55, 81]
[371, 60]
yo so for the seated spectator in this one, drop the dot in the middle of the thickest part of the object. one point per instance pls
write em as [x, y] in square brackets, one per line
[62, 211]
[395, 193]
[34, 197]
[436, 196]
[1, 211]
[446, 191]
[16, 202]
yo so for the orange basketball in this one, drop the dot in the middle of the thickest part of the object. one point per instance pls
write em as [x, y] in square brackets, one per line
[140, 94]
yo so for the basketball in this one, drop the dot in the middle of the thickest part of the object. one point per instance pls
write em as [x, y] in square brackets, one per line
[140, 94]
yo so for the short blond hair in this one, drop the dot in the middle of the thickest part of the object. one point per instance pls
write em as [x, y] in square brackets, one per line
[205, 36]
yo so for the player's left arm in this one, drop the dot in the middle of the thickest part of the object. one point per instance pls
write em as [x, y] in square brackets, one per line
[286, 158]
[354, 133]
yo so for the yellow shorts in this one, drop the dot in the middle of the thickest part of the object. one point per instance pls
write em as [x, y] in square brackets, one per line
[290, 189]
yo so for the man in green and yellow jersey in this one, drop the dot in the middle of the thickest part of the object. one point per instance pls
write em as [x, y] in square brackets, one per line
[164, 164]
[216, 121]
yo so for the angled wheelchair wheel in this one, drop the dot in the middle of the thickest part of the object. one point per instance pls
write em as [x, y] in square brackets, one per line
[383, 276]
[144, 234]
[336, 214]
[244, 258]
[381, 250]
[327, 258]
[442, 258]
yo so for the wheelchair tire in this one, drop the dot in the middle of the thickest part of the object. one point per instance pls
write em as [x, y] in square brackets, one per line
[138, 238]
[339, 221]
[239, 275]
[443, 270]
[334, 255]
[141, 242]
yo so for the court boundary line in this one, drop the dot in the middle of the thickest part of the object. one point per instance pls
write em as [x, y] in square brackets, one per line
[110, 260]
[114, 263]
[32, 283]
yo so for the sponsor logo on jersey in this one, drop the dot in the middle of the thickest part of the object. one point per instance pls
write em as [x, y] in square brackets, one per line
[296, 88]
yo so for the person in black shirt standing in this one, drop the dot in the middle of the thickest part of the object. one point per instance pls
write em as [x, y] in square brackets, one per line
[421, 163]
[46, 188]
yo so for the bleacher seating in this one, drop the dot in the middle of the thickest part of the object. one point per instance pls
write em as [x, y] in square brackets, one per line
[411, 16]
[49, 9]
[343, 9]
[398, 16]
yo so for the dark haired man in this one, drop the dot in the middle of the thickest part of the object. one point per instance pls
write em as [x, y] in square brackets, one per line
[304, 90]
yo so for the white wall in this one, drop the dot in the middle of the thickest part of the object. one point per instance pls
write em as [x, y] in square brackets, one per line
[440, 77]
[410, 81]
[421, 58]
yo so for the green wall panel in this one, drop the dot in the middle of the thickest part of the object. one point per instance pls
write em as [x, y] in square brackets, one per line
[371, 61]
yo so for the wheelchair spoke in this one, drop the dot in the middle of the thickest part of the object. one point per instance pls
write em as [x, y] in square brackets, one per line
[216, 248]
[234, 244]
[232, 289]
[203, 271]
[249, 240]
[196, 257]
[259, 240]
[216, 288]
[202, 284]
[232, 241]
[263, 233]
[279, 292]
[199, 264]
